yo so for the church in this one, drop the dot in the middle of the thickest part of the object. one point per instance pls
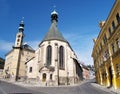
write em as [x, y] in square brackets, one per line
[53, 63]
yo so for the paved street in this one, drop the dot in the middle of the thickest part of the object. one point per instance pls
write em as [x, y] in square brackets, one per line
[84, 88]
[8, 88]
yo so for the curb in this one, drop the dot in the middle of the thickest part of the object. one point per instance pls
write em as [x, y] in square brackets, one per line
[110, 90]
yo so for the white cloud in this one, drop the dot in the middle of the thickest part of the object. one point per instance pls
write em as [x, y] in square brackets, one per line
[5, 45]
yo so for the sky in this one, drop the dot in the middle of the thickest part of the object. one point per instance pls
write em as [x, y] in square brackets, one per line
[78, 22]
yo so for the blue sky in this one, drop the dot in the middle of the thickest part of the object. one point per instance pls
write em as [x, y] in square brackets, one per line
[78, 22]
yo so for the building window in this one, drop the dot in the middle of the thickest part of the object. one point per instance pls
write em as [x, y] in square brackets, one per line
[18, 36]
[105, 55]
[49, 55]
[118, 18]
[113, 48]
[61, 57]
[109, 29]
[113, 25]
[117, 43]
[117, 69]
[105, 39]
[30, 70]
[50, 76]
[18, 40]
[26, 59]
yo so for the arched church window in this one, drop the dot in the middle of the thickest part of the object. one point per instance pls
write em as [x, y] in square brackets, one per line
[61, 57]
[49, 55]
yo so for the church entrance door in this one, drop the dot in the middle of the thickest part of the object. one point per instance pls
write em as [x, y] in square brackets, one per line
[44, 77]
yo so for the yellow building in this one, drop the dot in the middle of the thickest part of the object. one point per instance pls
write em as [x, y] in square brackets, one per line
[106, 51]
[15, 59]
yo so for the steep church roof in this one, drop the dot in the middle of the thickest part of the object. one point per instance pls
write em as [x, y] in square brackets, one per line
[53, 33]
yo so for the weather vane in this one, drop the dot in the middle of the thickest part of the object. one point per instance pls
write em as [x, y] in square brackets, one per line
[54, 7]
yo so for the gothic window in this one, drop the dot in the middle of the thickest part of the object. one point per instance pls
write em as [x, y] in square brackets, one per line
[49, 55]
[118, 18]
[61, 57]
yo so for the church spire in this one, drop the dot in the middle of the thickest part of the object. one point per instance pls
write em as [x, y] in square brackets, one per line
[53, 33]
[21, 25]
[54, 16]
[20, 35]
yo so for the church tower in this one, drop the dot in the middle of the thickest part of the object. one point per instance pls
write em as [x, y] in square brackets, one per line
[15, 68]
[17, 50]
[20, 35]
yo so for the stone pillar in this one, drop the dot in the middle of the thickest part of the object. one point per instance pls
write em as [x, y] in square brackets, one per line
[112, 68]
[107, 74]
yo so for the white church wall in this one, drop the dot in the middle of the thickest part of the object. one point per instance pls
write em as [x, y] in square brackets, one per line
[40, 59]
[33, 73]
